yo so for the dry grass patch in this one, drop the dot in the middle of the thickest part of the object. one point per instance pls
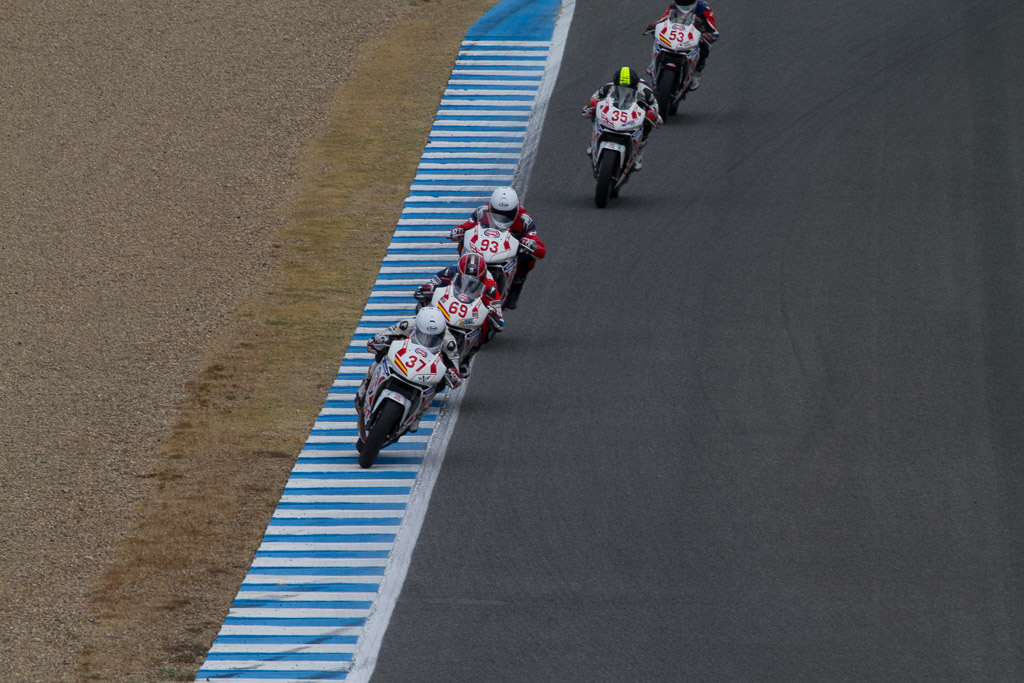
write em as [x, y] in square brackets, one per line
[222, 469]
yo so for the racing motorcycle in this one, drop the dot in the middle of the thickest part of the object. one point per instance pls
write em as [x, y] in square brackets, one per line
[618, 129]
[675, 55]
[499, 249]
[397, 394]
[462, 305]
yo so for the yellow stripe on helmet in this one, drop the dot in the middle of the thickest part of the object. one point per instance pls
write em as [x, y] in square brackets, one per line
[624, 78]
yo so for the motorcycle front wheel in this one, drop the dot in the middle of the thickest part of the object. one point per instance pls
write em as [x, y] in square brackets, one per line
[385, 424]
[607, 165]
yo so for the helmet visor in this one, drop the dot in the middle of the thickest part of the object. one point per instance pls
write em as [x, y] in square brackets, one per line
[502, 220]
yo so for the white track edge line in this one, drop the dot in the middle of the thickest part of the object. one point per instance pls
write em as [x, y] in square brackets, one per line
[364, 658]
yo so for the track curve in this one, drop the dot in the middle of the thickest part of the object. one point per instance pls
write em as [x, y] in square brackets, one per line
[760, 418]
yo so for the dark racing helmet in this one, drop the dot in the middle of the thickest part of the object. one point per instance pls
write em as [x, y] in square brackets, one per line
[626, 77]
[685, 7]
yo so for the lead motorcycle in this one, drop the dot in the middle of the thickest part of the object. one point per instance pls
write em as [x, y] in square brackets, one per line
[674, 58]
[618, 129]
[400, 390]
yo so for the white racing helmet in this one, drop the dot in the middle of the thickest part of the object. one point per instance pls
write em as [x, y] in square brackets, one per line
[503, 207]
[430, 327]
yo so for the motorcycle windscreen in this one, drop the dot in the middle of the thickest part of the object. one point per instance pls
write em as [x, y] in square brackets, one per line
[623, 97]
[470, 287]
[432, 342]
[681, 16]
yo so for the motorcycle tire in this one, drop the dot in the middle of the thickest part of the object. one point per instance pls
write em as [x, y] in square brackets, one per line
[666, 86]
[608, 164]
[385, 424]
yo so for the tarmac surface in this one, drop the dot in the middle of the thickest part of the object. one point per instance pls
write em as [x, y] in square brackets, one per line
[759, 419]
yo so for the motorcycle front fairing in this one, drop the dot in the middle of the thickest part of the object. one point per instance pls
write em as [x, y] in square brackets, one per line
[499, 249]
[618, 126]
[464, 311]
[676, 47]
[409, 375]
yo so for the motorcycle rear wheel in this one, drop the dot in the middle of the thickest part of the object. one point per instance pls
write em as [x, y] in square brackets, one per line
[607, 166]
[385, 424]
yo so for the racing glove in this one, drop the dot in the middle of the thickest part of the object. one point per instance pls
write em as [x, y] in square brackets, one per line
[456, 234]
[378, 343]
[424, 292]
[528, 244]
[496, 317]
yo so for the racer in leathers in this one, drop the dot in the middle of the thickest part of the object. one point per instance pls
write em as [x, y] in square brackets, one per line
[428, 328]
[469, 275]
[505, 213]
[628, 78]
[704, 20]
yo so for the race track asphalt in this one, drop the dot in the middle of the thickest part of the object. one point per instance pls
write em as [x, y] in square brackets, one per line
[761, 418]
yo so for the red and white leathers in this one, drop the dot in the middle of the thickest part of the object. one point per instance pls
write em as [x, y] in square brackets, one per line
[704, 20]
[523, 229]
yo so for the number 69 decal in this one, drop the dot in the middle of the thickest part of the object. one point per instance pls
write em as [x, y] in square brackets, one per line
[458, 309]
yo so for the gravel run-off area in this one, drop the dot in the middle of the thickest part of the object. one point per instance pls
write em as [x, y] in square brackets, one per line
[147, 159]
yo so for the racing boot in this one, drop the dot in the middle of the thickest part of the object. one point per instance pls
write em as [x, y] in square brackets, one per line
[464, 364]
[415, 425]
[638, 160]
[695, 80]
[360, 396]
[512, 300]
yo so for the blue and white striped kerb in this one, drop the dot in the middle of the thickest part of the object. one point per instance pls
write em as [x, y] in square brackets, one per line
[304, 604]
